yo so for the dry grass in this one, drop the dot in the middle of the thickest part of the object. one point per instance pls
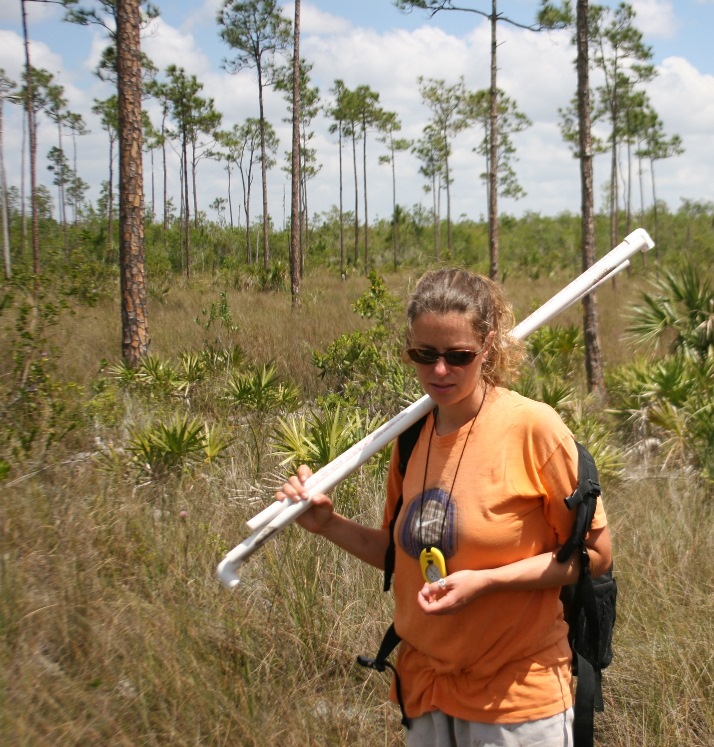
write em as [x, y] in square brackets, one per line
[267, 328]
[114, 630]
[660, 689]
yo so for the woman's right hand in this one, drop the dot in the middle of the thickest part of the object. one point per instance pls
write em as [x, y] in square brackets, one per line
[319, 515]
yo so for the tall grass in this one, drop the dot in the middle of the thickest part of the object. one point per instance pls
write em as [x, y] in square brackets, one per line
[115, 631]
[660, 687]
[267, 329]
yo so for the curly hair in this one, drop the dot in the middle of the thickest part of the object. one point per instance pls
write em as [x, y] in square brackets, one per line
[444, 291]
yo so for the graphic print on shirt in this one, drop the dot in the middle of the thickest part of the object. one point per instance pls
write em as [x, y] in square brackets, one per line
[430, 520]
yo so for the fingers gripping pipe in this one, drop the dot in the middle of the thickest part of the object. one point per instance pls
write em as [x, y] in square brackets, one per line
[281, 513]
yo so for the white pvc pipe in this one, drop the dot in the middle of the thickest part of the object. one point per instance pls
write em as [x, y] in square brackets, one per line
[638, 241]
[334, 472]
[281, 513]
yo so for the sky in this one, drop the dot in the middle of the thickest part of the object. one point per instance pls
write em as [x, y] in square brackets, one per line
[371, 42]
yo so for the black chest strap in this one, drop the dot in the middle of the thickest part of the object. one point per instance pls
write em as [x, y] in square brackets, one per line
[405, 443]
[379, 663]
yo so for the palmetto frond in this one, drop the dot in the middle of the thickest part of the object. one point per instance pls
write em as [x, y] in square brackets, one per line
[260, 389]
[321, 436]
[680, 312]
[168, 447]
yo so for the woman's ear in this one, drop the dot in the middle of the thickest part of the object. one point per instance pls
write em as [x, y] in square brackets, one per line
[490, 337]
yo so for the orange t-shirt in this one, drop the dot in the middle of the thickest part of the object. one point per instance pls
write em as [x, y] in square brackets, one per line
[505, 657]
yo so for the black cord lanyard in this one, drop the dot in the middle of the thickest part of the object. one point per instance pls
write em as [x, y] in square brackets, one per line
[453, 483]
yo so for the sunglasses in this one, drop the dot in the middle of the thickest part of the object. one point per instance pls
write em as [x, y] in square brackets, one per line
[428, 356]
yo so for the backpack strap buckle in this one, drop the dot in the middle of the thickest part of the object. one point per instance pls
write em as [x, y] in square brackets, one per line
[376, 664]
[379, 664]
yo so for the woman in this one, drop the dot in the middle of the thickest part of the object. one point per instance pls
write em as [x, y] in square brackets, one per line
[484, 657]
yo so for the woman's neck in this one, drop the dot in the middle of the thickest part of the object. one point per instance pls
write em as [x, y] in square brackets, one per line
[450, 419]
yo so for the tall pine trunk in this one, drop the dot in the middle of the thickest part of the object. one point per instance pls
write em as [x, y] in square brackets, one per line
[186, 209]
[135, 334]
[3, 198]
[295, 263]
[593, 356]
[263, 171]
[61, 195]
[614, 193]
[3, 203]
[193, 183]
[110, 198]
[364, 178]
[32, 133]
[164, 170]
[654, 205]
[493, 157]
[23, 201]
[354, 165]
[394, 203]
[342, 225]
[230, 199]
[153, 187]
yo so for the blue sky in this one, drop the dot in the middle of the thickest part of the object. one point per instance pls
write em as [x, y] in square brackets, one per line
[691, 31]
[371, 42]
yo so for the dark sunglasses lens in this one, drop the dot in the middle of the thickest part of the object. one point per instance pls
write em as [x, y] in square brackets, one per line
[428, 357]
[459, 357]
[423, 355]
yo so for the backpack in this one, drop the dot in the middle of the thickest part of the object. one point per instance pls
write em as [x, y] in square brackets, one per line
[589, 605]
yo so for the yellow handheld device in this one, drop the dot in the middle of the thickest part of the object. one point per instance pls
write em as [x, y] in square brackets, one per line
[433, 565]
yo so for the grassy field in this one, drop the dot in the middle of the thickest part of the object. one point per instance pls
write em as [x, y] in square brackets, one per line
[115, 631]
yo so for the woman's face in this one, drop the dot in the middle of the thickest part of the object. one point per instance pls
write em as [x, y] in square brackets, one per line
[448, 385]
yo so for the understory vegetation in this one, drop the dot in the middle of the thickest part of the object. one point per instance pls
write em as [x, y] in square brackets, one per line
[123, 489]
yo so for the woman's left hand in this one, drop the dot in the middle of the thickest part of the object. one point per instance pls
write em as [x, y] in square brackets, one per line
[452, 593]
[536, 572]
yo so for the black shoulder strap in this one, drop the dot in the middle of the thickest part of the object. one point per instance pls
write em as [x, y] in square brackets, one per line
[407, 441]
[405, 444]
[584, 499]
[588, 694]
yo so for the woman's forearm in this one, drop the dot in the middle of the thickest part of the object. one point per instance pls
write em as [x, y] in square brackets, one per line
[544, 571]
[462, 588]
[366, 543]
[539, 572]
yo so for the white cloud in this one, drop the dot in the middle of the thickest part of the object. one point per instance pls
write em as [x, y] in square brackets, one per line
[316, 21]
[684, 97]
[12, 56]
[204, 14]
[535, 69]
[10, 12]
[79, 93]
[684, 100]
[391, 62]
[166, 45]
[656, 18]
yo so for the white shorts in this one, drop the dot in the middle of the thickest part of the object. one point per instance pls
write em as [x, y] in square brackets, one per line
[436, 729]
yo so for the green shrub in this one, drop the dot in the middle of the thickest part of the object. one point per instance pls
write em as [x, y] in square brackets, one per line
[175, 446]
[261, 390]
